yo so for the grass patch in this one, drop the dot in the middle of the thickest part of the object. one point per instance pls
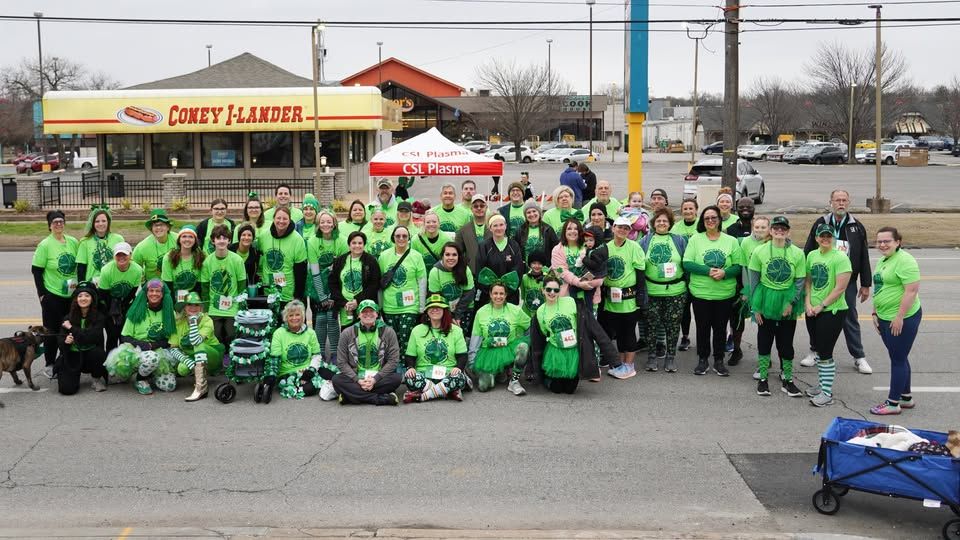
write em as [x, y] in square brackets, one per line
[18, 234]
[918, 230]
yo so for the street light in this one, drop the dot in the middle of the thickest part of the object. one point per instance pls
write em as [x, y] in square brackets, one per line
[878, 204]
[851, 146]
[39, 15]
[380, 65]
[209, 61]
[314, 55]
[696, 65]
[549, 71]
[590, 83]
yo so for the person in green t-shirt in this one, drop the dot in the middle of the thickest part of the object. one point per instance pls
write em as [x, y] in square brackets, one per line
[385, 202]
[149, 325]
[666, 288]
[686, 227]
[295, 365]
[713, 260]
[451, 278]
[405, 218]
[54, 270]
[356, 219]
[563, 210]
[252, 215]
[182, 265]
[283, 258]
[218, 217]
[452, 215]
[283, 196]
[405, 294]
[222, 278]
[193, 345]
[725, 204]
[119, 281]
[307, 225]
[354, 277]
[96, 247]
[368, 356]
[531, 284]
[777, 271]
[435, 356]
[897, 315]
[151, 251]
[612, 206]
[499, 339]
[377, 233]
[429, 243]
[828, 273]
[322, 249]
[625, 260]
[513, 211]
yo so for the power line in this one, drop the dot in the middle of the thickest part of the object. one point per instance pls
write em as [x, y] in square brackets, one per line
[843, 4]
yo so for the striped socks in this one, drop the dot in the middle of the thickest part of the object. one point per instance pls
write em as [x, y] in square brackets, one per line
[433, 391]
[763, 366]
[826, 372]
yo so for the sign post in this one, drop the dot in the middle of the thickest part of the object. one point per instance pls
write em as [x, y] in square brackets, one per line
[636, 91]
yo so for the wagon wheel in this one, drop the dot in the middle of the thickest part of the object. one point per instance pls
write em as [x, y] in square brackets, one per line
[951, 530]
[826, 502]
[225, 393]
[258, 392]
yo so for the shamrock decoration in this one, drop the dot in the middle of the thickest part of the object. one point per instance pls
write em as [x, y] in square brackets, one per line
[877, 282]
[66, 264]
[220, 281]
[155, 332]
[353, 281]
[451, 291]
[297, 353]
[436, 351]
[185, 281]
[399, 276]
[498, 328]
[616, 268]
[560, 323]
[778, 271]
[714, 258]
[819, 276]
[166, 382]
[274, 260]
[660, 254]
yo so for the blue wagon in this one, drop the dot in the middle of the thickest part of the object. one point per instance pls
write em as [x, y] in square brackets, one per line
[892, 473]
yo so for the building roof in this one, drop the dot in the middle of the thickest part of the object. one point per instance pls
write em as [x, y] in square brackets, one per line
[405, 75]
[485, 104]
[243, 71]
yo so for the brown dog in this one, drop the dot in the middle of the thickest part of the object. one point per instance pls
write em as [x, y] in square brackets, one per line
[18, 352]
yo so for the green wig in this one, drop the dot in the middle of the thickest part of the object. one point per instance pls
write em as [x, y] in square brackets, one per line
[138, 309]
[95, 211]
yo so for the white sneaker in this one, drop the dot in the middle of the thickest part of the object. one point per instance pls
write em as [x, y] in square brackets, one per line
[862, 366]
[809, 360]
[98, 385]
[48, 372]
[327, 393]
[516, 388]
[756, 375]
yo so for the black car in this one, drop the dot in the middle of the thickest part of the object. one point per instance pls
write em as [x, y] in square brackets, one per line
[820, 155]
[956, 150]
[715, 148]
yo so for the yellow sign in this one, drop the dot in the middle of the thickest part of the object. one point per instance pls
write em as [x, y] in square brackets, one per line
[245, 109]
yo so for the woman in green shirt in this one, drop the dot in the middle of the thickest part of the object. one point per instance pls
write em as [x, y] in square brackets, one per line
[686, 228]
[152, 250]
[725, 204]
[563, 210]
[499, 337]
[356, 219]
[828, 273]
[193, 344]
[149, 325]
[252, 215]
[452, 278]
[534, 236]
[322, 249]
[354, 277]
[96, 247]
[429, 243]
[405, 293]
[666, 289]
[897, 315]
[182, 266]
[377, 233]
[295, 364]
[218, 218]
[308, 223]
[283, 257]
[54, 270]
[435, 356]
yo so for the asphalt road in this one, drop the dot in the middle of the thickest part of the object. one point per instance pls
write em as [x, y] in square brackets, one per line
[670, 452]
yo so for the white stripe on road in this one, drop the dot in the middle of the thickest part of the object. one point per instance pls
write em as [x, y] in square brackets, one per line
[15, 390]
[925, 389]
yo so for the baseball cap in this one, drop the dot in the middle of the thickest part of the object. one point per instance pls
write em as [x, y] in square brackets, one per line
[659, 191]
[368, 304]
[404, 207]
[825, 229]
[622, 220]
[384, 182]
[781, 221]
[478, 197]
[122, 247]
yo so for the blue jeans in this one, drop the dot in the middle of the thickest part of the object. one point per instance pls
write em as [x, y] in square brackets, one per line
[899, 349]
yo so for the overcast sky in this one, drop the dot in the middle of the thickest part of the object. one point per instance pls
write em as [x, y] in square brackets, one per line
[140, 53]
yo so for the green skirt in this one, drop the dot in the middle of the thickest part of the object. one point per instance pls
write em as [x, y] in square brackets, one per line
[494, 359]
[771, 302]
[561, 363]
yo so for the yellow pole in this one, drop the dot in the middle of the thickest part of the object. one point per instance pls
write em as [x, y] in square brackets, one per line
[635, 156]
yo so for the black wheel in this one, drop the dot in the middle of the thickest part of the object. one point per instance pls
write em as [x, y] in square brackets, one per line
[889, 160]
[708, 151]
[258, 392]
[526, 159]
[951, 529]
[225, 393]
[763, 157]
[826, 502]
[86, 165]
[566, 160]
[817, 161]
[760, 194]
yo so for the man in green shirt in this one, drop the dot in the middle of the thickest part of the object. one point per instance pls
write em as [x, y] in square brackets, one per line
[452, 216]
[471, 234]
[222, 278]
[513, 212]
[603, 197]
[385, 201]
[468, 188]
[283, 196]
[119, 281]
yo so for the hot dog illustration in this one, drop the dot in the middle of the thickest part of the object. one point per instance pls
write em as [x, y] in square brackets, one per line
[144, 115]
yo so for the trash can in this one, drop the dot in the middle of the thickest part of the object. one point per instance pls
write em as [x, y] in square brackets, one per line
[115, 186]
[9, 192]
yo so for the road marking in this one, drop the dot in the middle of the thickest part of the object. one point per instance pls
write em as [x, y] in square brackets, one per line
[16, 390]
[925, 389]
[14, 282]
[125, 533]
[20, 321]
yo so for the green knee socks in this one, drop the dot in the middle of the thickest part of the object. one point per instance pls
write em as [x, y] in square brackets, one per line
[826, 373]
[763, 366]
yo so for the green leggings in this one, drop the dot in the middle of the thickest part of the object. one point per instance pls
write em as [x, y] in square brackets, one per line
[187, 359]
[663, 323]
[402, 324]
[451, 382]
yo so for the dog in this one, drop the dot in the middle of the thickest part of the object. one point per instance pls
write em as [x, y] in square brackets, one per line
[18, 352]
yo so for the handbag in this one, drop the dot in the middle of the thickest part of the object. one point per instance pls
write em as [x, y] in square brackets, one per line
[387, 277]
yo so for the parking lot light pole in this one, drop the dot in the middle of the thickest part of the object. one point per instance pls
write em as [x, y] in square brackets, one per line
[549, 70]
[851, 145]
[590, 82]
[209, 56]
[39, 15]
[878, 204]
[380, 66]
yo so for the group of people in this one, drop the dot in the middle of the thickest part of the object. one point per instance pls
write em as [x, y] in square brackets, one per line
[473, 296]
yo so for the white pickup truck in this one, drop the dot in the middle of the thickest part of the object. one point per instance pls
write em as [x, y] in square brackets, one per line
[81, 162]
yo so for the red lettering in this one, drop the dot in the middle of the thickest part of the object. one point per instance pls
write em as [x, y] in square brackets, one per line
[252, 117]
[215, 111]
[183, 116]
[297, 114]
[171, 121]
[264, 115]
[193, 114]
[240, 119]
[204, 111]
[274, 114]
[286, 114]
[229, 114]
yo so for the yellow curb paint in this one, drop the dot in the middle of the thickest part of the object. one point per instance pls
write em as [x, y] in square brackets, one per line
[14, 282]
[125, 533]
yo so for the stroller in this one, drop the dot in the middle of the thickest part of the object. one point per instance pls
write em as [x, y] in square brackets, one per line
[933, 479]
[245, 361]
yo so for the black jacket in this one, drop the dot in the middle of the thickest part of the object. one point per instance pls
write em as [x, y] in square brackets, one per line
[251, 265]
[550, 239]
[90, 335]
[370, 276]
[590, 179]
[205, 224]
[589, 332]
[739, 230]
[855, 234]
[500, 262]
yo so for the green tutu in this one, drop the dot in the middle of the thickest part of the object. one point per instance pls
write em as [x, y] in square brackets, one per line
[494, 359]
[771, 302]
[559, 363]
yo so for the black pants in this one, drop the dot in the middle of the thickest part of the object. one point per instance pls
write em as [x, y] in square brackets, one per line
[712, 316]
[113, 329]
[686, 317]
[71, 364]
[780, 332]
[352, 393]
[824, 330]
[563, 386]
[53, 310]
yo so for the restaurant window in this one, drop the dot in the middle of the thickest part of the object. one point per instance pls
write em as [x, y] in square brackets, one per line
[329, 146]
[271, 149]
[358, 146]
[123, 151]
[222, 150]
[169, 145]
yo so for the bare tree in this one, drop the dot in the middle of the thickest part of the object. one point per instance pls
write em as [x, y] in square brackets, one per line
[947, 100]
[523, 99]
[775, 102]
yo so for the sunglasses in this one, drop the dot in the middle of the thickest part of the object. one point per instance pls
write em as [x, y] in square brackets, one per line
[401, 236]
[711, 218]
[551, 289]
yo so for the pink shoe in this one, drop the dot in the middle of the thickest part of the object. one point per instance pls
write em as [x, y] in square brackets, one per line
[885, 408]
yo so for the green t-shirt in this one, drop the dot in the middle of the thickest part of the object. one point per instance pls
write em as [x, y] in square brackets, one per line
[778, 267]
[149, 254]
[389, 209]
[207, 241]
[730, 220]
[889, 278]
[403, 293]
[278, 256]
[431, 348]
[534, 243]
[368, 352]
[431, 250]
[664, 264]
[622, 265]
[295, 215]
[724, 252]
[822, 270]
[184, 277]
[181, 335]
[515, 219]
[552, 218]
[96, 252]
[441, 281]
[749, 245]
[347, 227]
[120, 284]
[309, 229]
[531, 293]
[59, 263]
[411, 228]
[149, 329]
[613, 208]
[321, 252]
[377, 242]
[452, 220]
[508, 322]
[351, 280]
[294, 350]
[223, 277]
[557, 318]
[684, 230]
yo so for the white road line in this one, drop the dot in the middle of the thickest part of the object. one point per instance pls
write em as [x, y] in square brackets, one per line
[15, 390]
[925, 389]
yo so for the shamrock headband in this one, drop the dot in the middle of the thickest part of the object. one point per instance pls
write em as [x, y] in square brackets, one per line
[510, 280]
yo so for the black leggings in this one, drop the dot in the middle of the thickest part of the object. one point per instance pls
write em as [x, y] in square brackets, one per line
[353, 393]
[71, 364]
[712, 316]
[686, 317]
[780, 331]
[53, 310]
[824, 330]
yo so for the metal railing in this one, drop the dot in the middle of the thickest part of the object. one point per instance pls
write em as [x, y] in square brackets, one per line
[90, 188]
[200, 191]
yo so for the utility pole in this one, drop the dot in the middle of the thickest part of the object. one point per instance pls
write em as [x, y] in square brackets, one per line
[590, 87]
[380, 65]
[878, 204]
[851, 145]
[731, 93]
[549, 70]
[314, 54]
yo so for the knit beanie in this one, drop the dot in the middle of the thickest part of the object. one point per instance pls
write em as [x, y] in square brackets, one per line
[310, 200]
[54, 214]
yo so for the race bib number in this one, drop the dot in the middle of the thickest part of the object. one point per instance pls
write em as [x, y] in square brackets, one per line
[616, 295]
[280, 279]
[408, 298]
[499, 341]
[182, 295]
[225, 303]
[669, 270]
[568, 338]
[843, 246]
[438, 372]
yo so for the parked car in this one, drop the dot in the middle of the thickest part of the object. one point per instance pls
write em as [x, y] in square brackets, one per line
[509, 153]
[36, 165]
[818, 155]
[676, 147]
[888, 153]
[930, 142]
[710, 171]
[865, 144]
[905, 139]
[546, 147]
[948, 144]
[478, 147]
[25, 157]
[796, 143]
[956, 150]
[84, 162]
[713, 148]
[566, 155]
[743, 148]
[760, 151]
[776, 155]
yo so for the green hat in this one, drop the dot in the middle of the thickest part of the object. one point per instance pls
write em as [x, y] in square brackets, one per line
[825, 229]
[310, 200]
[368, 304]
[157, 215]
[782, 221]
[187, 229]
[193, 298]
[436, 300]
